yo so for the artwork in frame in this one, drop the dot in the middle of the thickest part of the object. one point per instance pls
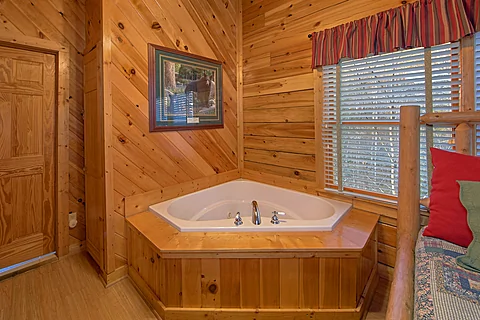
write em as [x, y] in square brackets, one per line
[185, 90]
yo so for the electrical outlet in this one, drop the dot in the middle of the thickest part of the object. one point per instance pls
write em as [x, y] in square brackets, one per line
[72, 220]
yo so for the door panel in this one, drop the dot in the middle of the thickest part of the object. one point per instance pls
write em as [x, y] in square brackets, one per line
[27, 166]
[28, 71]
[27, 205]
[5, 125]
[26, 125]
[6, 218]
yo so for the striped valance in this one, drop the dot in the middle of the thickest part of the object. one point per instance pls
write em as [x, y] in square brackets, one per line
[420, 24]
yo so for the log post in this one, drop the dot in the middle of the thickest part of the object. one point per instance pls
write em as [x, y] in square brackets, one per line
[451, 117]
[400, 304]
[463, 138]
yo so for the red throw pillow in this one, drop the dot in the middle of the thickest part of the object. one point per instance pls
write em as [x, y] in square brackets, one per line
[448, 217]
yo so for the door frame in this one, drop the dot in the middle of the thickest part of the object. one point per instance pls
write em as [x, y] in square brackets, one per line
[62, 178]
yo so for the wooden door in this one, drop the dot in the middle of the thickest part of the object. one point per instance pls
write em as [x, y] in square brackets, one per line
[27, 157]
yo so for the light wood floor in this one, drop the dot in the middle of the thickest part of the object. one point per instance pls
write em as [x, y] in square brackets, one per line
[378, 308]
[70, 289]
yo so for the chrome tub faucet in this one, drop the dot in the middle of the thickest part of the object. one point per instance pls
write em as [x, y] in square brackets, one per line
[256, 218]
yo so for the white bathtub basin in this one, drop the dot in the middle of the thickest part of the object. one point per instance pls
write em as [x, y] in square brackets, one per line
[214, 209]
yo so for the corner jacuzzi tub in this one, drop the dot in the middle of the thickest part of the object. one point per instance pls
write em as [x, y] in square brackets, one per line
[214, 209]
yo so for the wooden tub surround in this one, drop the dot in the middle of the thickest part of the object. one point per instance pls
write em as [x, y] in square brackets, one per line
[302, 275]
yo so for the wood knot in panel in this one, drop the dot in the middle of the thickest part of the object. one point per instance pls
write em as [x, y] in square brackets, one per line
[213, 288]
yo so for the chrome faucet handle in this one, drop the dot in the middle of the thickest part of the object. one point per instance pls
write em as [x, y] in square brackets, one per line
[275, 217]
[238, 219]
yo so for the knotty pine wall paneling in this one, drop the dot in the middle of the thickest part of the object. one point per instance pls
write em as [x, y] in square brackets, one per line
[144, 163]
[62, 21]
[282, 96]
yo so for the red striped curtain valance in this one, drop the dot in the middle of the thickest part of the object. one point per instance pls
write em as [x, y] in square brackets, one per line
[420, 24]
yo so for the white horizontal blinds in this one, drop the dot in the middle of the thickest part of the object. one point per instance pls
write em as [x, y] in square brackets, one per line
[446, 78]
[477, 84]
[445, 87]
[329, 130]
[372, 90]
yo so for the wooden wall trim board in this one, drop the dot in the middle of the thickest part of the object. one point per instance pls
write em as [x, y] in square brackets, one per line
[240, 138]
[104, 230]
[117, 275]
[318, 107]
[467, 68]
[139, 203]
[25, 42]
[93, 158]
[63, 177]
[61, 54]
[467, 94]
[106, 97]
[94, 135]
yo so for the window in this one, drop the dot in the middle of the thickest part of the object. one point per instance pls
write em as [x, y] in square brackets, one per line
[361, 114]
[477, 84]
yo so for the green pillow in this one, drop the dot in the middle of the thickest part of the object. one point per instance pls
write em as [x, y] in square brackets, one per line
[470, 198]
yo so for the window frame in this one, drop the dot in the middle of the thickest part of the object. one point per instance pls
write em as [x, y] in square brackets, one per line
[476, 87]
[329, 184]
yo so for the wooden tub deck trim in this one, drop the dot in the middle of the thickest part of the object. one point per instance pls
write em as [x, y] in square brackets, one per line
[348, 239]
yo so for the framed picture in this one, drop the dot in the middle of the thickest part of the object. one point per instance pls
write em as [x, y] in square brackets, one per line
[185, 90]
